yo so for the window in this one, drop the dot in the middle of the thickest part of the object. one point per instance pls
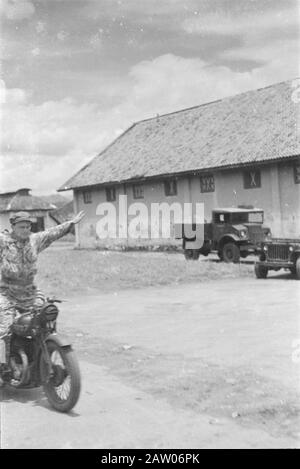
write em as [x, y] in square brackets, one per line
[255, 217]
[222, 218]
[170, 187]
[252, 179]
[87, 197]
[110, 194]
[138, 191]
[207, 183]
[297, 173]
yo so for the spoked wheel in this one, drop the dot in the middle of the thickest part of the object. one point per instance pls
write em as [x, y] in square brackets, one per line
[62, 388]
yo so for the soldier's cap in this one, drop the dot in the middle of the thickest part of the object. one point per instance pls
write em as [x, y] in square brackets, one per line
[20, 216]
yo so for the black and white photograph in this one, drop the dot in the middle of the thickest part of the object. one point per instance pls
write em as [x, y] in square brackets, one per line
[149, 227]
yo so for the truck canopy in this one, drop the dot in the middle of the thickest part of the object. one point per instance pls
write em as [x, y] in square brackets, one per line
[236, 215]
[237, 210]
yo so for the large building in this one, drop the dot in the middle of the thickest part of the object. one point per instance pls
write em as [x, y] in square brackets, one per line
[241, 150]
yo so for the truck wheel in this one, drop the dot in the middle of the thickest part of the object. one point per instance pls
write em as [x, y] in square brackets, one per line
[261, 271]
[191, 254]
[231, 253]
[196, 255]
[297, 268]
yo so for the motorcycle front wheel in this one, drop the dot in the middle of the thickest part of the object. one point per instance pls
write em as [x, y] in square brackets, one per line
[62, 387]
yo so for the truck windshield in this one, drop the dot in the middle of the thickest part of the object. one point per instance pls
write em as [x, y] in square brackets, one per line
[256, 217]
[247, 217]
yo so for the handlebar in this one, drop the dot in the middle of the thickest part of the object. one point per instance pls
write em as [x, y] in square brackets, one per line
[54, 300]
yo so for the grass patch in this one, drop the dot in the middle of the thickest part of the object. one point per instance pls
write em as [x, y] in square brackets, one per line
[67, 271]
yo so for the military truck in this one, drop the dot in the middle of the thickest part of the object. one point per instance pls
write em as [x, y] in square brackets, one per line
[234, 232]
[279, 253]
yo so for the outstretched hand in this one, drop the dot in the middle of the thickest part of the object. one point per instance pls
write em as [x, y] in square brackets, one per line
[78, 217]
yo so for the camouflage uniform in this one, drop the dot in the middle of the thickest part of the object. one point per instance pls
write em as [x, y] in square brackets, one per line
[18, 266]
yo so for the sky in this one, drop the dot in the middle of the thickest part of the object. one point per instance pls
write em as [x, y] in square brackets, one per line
[75, 74]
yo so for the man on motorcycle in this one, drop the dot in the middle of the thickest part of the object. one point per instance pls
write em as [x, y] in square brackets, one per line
[19, 251]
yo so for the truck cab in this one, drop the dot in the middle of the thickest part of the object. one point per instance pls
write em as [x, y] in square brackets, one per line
[237, 232]
[233, 232]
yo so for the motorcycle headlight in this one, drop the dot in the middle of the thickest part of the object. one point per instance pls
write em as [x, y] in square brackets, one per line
[265, 248]
[49, 313]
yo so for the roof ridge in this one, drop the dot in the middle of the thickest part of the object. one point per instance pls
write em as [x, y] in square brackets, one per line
[44, 205]
[216, 100]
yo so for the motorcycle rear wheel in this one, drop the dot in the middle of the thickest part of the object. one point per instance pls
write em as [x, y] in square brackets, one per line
[63, 388]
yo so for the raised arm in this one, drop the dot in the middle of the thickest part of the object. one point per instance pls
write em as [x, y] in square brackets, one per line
[43, 239]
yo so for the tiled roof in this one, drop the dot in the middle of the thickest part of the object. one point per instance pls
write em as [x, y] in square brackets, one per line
[4, 201]
[14, 202]
[256, 126]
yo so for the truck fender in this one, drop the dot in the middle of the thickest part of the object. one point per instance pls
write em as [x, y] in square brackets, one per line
[228, 238]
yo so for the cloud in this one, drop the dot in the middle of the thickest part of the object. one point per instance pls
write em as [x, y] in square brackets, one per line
[280, 58]
[62, 35]
[250, 24]
[12, 96]
[17, 10]
[40, 143]
[96, 39]
[270, 38]
[41, 27]
[194, 81]
[137, 8]
[51, 128]
[45, 144]
[36, 51]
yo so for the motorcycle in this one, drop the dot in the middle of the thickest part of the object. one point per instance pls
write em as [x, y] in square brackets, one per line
[38, 356]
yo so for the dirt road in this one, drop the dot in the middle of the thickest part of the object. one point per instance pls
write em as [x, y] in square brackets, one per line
[203, 365]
